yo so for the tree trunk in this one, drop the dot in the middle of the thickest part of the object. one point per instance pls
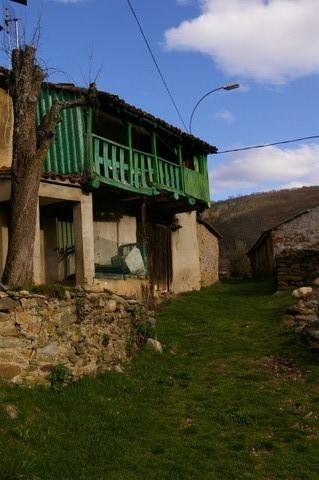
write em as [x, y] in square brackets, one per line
[30, 147]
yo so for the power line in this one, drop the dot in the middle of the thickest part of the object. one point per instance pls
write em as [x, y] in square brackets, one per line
[253, 147]
[156, 63]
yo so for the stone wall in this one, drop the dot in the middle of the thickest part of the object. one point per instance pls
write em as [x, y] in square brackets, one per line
[298, 234]
[295, 268]
[208, 256]
[87, 332]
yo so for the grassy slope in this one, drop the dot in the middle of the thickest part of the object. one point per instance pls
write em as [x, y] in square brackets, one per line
[207, 409]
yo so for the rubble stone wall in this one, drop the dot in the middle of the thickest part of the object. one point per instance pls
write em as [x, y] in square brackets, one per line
[208, 256]
[87, 332]
[300, 233]
[295, 268]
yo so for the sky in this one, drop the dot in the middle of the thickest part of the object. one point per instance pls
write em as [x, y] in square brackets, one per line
[270, 47]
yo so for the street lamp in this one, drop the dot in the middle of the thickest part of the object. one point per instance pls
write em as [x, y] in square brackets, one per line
[232, 86]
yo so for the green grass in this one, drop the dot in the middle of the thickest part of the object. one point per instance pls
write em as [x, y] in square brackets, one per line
[211, 407]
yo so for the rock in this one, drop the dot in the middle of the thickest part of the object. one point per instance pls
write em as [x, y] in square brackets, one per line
[302, 292]
[311, 330]
[94, 289]
[111, 306]
[11, 411]
[151, 321]
[316, 282]
[8, 329]
[120, 300]
[7, 304]
[50, 350]
[67, 295]
[133, 302]
[13, 342]
[306, 318]
[118, 369]
[24, 293]
[155, 345]
[29, 325]
[9, 371]
[3, 288]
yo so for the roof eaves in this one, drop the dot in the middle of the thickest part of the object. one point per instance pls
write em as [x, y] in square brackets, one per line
[209, 226]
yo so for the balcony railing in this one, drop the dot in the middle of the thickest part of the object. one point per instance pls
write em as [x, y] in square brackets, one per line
[123, 167]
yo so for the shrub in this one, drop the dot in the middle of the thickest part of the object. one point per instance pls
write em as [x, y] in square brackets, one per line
[54, 290]
[60, 377]
[238, 260]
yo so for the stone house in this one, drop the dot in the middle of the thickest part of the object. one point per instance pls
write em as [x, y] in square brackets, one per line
[118, 200]
[289, 250]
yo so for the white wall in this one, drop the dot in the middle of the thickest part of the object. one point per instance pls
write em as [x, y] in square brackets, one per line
[185, 255]
[109, 235]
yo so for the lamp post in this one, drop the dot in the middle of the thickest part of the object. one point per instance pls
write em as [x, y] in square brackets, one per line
[232, 86]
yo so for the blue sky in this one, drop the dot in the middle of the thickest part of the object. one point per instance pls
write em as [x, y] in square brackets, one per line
[270, 47]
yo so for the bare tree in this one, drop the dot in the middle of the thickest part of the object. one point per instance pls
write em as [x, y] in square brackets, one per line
[30, 147]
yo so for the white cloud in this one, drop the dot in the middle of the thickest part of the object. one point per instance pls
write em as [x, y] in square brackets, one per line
[268, 40]
[226, 116]
[267, 168]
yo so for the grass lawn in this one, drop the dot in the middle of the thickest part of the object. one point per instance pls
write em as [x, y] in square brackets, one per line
[234, 396]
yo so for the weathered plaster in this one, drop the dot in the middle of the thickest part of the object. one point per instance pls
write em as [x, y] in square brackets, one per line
[109, 235]
[185, 255]
[6, 129]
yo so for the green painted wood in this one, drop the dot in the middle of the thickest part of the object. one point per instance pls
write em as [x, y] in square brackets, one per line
[130, 146]
[135, 170]
[150, 170]
[154, 152]
[143, 170]
[68, 152]
[196, 185]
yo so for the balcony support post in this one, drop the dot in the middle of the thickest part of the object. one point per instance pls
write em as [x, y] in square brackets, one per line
[154, 151]
[180, 157]
[130, 146]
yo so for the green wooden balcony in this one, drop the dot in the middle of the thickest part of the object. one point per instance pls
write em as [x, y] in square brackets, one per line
[145, 173]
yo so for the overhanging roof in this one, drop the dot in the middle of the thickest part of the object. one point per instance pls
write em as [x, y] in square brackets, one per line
[121, 105]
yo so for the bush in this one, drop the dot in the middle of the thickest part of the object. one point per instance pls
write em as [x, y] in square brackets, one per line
[52, 290]
[60, 377]
[238, 260]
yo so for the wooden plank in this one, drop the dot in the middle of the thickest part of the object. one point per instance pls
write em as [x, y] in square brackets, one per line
[143, 176]
[156, 160]
[172, 176]
[122, 165]
[97, 160]
[136, 171]
[150, 169]
[114, 162]
[166, 175]
[106, 161]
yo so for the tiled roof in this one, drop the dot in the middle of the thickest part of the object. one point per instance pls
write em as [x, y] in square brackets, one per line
[74, 179]
[116, 102]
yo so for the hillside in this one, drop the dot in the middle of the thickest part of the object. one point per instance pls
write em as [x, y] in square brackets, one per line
[241, 220]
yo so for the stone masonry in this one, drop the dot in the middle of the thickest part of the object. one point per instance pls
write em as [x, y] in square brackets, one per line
[208, 256]
[295, 268]
[87, 332]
